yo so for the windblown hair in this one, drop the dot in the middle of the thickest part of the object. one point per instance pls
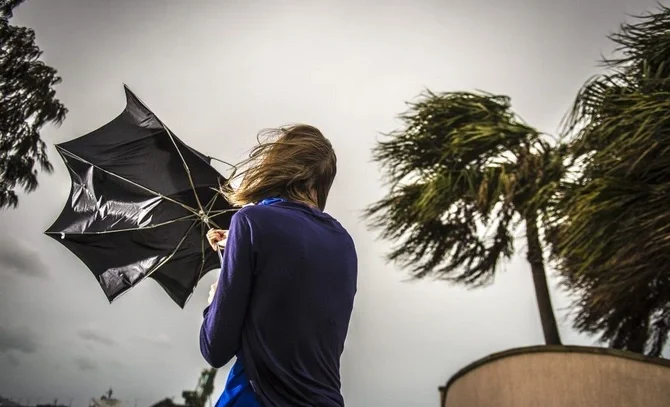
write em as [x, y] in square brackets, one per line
[296, 163]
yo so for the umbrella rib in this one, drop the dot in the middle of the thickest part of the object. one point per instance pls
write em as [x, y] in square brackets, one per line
[202, 247]
[188, 170]
[209, 212]
[223, 211]
[183, 161]
[158, 194]
[209, 206]
[223, 162]
[105, 232]
[169, 257]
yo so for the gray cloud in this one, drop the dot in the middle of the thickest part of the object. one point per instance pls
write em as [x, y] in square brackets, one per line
[84, 363]
[13, 359]
[94, 335]
[161, 340]
[17, 258]
[17, 339]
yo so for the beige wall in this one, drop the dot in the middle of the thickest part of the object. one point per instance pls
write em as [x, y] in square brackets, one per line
[561, 376]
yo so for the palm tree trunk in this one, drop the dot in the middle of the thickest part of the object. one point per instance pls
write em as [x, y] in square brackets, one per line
[536, 260]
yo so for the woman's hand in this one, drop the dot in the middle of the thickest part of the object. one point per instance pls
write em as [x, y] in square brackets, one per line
[217, 238]
[212, 291]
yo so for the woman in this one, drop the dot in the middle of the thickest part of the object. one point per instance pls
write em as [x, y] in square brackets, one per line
[283, 300]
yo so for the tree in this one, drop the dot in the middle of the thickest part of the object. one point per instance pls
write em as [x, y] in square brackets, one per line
[28, 102]
[463, 173]
[611, 232]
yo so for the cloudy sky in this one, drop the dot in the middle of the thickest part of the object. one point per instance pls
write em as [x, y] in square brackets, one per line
[216, 72]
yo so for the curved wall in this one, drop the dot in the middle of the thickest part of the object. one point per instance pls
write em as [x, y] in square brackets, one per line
[559, 376]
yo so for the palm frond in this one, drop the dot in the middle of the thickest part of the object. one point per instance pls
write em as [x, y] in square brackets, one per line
[461, 170]
[611, 233]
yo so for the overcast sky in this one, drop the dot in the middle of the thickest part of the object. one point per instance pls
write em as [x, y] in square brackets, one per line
[218, 71]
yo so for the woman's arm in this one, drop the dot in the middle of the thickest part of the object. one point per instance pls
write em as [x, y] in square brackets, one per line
[223, 318]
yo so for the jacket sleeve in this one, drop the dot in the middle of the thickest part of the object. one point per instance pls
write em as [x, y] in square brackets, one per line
[223, 319]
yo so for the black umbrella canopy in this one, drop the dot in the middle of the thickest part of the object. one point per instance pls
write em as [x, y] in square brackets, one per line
[140, 204]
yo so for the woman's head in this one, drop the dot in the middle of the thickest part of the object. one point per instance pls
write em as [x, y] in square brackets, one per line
[295, 163]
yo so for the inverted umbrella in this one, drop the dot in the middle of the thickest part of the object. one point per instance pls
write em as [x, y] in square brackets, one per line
[140, 204]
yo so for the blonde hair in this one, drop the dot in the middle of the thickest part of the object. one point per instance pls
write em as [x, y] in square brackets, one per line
[296, 163]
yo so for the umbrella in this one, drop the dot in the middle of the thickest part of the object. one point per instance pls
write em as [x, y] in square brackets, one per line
[140, 204]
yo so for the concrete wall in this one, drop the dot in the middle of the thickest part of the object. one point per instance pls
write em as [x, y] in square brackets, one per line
[561, 376]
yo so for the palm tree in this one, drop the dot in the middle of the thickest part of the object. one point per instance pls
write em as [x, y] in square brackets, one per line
[612, 231]
[463, 174]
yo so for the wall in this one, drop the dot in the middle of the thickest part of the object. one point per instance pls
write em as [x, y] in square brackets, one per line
[553, 376]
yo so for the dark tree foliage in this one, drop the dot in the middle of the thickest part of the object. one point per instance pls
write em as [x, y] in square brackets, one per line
[463, 173]
[612, 233]
[28, 103]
